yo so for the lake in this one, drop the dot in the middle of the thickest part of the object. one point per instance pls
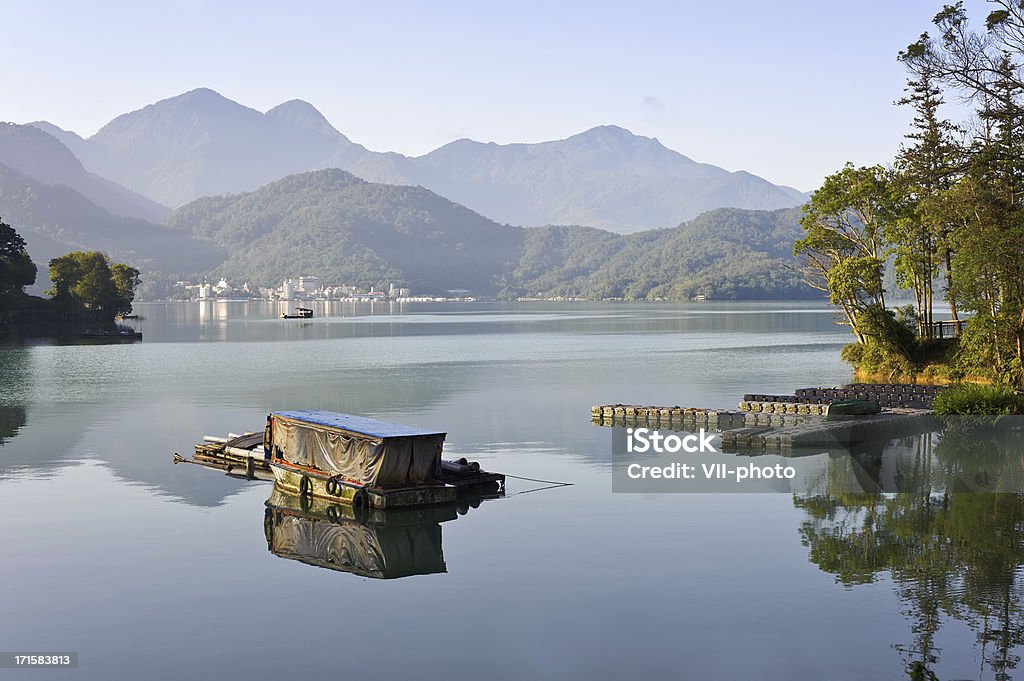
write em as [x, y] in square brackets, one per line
[153, 570]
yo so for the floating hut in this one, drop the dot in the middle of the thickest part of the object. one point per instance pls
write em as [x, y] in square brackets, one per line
[362, 461]
[348, 459]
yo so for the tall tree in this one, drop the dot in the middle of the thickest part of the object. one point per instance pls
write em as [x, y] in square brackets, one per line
[986, 267]
[16, 267]
[126, 280]
[990, 246]
[929, 164]
[844, 251]
[968, 60]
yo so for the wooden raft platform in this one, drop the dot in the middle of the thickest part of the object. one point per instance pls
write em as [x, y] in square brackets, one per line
[679, 418]
[242, 456]
[239, 456]
[819, 432]
[768, 423]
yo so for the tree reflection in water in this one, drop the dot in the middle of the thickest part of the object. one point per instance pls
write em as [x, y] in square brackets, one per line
[14, 373]
[953, 549]
[12, 419]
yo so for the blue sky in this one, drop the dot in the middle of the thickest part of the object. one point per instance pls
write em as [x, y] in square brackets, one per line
[788, 90]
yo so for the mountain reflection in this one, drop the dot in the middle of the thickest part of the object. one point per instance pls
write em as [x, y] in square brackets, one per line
[953, 550]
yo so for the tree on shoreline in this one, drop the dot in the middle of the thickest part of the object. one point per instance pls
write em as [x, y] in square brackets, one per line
[988, 262]
[16, 267]
[945, 208]
[927, 168]
[86, 280]
[844, 251]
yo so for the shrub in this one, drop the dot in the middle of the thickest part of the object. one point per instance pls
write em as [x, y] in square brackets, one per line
[971, 399]
[852, 353]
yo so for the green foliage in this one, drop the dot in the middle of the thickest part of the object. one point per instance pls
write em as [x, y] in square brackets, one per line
[973, 399]
[948, 207]
[126, 279]
[86, 280]
[844, 248]
[854, 278]
[982, 202]
[891, 346]
[723, 254]
[16, 267]
[927, 168]
[853, 354]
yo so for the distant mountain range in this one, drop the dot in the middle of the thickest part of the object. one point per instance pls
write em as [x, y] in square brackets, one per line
[345, 229]
[41, 157]
[58, 207]
[201, 143]
[266, 196]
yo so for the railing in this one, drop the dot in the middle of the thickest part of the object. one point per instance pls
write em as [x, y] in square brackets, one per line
[945, 328]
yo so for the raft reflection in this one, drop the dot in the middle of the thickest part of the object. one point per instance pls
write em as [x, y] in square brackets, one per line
[382, 544]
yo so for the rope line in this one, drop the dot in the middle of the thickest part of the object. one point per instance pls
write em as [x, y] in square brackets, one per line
[553, 483]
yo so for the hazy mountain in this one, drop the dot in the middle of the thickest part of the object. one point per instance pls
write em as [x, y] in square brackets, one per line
[304, 115]
[69, 139]
[43, 157]
[349, 231]
[55, 219]
[201, 143]
[604, 177]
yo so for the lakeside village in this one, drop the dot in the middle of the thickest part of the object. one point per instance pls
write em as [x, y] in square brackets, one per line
[306, 288]
[309, 288]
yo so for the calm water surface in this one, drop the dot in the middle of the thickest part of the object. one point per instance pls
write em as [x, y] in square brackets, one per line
[160, 571]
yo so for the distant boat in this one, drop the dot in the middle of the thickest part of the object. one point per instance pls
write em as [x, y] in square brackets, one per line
[127, 316]
[111, 335]
[300, 313]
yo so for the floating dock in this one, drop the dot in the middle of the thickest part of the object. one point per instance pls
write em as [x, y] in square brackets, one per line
[244, 456]
[778, 423]
[239, 456]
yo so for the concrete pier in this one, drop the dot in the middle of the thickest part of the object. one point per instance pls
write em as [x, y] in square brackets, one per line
[776, 423]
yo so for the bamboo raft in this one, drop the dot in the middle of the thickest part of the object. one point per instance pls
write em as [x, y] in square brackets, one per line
[237, 455]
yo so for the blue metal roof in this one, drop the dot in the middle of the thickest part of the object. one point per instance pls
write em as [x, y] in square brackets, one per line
[355, 424]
